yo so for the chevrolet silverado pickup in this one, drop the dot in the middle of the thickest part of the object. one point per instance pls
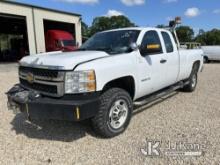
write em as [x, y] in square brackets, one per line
[109, 75]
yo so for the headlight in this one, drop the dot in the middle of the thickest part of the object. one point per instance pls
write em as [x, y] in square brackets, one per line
[80, 82]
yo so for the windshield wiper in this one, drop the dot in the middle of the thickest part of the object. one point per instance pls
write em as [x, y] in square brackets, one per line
[107, 49]
[103, 49]
[84, 49]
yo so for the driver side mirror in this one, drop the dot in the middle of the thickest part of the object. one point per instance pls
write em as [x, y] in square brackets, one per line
[150, 49]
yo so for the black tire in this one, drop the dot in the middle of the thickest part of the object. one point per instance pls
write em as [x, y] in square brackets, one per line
[101, 122]
[193, 79]
[206, 59]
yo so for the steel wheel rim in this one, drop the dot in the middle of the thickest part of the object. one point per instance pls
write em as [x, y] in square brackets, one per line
[118, 114]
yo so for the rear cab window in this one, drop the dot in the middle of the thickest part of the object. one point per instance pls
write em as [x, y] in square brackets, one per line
[167, 42]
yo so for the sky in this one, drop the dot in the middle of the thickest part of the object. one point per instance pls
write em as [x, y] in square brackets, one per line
[199, 14]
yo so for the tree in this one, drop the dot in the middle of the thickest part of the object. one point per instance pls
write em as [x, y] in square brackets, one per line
[106, 23]
[99, 24]
[185, 33]
[209, 38]
[213, 37]
[120, 22]
[85, 29]
[161, 26]
[201, 32]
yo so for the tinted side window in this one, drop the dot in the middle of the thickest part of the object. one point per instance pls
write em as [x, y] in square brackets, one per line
[168, 42]
[151, 40]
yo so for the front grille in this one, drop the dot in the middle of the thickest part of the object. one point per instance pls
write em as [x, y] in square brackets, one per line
[47, 82]
[40, 87]
[39, 72]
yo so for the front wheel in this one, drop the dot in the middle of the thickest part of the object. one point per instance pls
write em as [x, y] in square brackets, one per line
[114, 113]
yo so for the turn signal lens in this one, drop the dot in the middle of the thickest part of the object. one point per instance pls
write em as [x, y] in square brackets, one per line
[91, 86]
[91, 76]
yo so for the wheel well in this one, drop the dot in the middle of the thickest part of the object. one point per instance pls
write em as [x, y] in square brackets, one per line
[196, 65]
[127, 83]
[206, 57]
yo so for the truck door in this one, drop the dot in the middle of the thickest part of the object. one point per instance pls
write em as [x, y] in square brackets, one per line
[172, 60]
[151, 65]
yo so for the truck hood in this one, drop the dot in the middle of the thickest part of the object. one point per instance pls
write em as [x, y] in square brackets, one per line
[61, 60]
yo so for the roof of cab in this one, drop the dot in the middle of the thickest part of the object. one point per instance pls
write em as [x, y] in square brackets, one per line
[137, 28]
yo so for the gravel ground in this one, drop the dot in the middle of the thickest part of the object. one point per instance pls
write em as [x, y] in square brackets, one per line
[192, 118]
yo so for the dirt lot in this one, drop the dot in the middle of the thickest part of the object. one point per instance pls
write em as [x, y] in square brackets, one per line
[189, 118]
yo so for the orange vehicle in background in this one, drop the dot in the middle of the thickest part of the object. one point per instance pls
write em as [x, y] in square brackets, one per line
[58, 40]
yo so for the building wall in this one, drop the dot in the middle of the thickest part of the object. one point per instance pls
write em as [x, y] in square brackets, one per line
[22, 11]
[35, 26]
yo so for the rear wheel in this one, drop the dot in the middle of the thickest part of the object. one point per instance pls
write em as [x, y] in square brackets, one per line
[193, 79]
[114, 113]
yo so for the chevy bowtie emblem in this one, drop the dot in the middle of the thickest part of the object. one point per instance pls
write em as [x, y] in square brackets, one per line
[30, 78]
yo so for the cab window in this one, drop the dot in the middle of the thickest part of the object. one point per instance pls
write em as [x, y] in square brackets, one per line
[151, 44]
[167, 41]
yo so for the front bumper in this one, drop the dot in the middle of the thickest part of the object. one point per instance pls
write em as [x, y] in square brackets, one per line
[36, 106]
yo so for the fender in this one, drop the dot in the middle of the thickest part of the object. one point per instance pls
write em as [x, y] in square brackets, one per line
[114, 67]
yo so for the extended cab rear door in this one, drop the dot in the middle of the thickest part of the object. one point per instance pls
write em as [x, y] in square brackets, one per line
[172, 58]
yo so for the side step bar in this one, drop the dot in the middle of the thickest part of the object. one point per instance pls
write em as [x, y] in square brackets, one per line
[152, 97]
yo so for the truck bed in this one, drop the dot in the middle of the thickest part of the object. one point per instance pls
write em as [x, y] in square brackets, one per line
[187, 57]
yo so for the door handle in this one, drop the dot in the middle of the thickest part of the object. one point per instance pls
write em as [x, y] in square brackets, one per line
[162, 61]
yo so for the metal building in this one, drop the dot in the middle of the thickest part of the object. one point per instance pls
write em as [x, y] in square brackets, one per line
[23, 28]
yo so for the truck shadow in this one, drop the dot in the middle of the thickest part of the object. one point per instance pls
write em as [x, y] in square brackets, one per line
[63, 130]
[51, 130]
[213, 62]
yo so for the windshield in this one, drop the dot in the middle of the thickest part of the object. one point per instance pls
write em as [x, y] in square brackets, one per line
[68, 43]
[113, 42]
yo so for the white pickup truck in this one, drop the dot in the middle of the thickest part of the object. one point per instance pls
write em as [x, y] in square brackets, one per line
[211, 53]
[110, 74]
